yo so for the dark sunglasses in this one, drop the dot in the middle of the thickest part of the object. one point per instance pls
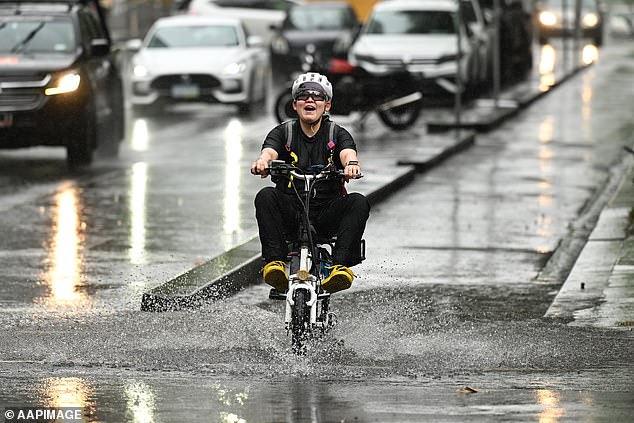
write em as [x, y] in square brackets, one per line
[315, 95]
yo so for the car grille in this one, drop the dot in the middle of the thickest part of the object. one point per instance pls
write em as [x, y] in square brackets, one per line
[22, 92]
[18, 102]
[398, 63]
[323, 48]
[203, 81]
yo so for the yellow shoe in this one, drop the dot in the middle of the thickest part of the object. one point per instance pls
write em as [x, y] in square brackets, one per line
[340, 278]
[274, 273]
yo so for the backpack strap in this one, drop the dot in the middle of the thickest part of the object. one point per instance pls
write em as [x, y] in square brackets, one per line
[289, 139]
[331, 135]
[289, 134]
[332, 144]
[332, 141]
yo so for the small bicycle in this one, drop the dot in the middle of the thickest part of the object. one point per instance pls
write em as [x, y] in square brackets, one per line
[310, 256]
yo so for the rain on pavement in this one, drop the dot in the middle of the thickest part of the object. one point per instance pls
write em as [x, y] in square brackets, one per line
[452, 294]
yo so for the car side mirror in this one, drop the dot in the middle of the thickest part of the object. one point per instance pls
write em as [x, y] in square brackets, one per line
[134, 44]
[99, 47]
[255, 41]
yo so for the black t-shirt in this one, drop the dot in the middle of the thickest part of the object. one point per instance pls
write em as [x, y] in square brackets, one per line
[311, 151]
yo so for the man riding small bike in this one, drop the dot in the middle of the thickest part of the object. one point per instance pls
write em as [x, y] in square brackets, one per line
[308, 141]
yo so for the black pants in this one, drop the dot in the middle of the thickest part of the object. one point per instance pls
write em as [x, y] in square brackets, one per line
[277, 214]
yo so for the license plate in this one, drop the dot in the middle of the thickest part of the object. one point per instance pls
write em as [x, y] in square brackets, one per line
[185, 91]
[6, 120]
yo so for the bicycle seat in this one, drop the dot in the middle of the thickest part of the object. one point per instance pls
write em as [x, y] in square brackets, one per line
[318, 239]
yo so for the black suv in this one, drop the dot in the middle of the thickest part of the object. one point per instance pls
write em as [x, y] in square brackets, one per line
[59, 83]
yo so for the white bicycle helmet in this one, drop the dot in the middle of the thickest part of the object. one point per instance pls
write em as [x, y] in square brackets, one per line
[312, 77]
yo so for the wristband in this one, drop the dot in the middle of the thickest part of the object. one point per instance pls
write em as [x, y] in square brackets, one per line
[352, 162]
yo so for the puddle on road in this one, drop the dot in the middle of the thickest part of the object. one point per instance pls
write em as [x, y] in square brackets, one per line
[405, 332]
[397, 355]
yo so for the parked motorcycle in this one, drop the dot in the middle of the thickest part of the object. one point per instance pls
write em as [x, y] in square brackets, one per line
[392, 96]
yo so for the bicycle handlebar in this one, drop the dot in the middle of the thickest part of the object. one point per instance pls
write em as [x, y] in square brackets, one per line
[279, 167]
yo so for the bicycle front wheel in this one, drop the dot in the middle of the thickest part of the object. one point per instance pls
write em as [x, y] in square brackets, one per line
[300, 321]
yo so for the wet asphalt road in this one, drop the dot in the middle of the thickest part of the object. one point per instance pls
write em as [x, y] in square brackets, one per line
[459, 275]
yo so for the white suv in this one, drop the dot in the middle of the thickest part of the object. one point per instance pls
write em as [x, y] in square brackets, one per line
[421, 37]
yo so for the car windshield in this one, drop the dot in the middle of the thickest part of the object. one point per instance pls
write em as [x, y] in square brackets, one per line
[195, 36]
[411, 22]
[284, 5]
[319, 18]
[36, 35]
[586, 4]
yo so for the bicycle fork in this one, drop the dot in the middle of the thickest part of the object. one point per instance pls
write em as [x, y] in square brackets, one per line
[320, 317]
[302, 279]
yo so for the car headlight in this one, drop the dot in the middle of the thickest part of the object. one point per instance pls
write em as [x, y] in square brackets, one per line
[140, 71]
[590, 20]
[234, 68]
[547, 18]
[64, 83]
[279, 46]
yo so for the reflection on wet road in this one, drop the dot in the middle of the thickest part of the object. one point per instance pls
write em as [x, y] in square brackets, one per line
[233, 174]
[66, 255]
[138, 186]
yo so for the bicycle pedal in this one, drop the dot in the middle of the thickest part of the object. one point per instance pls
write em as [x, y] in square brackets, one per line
[274, 294]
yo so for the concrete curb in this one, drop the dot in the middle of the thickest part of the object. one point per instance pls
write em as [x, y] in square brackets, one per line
[598, 289]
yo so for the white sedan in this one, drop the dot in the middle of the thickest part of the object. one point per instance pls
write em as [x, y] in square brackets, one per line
[198, 59]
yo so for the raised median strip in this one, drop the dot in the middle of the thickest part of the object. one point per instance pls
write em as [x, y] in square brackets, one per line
[239, 267]
[485, 115]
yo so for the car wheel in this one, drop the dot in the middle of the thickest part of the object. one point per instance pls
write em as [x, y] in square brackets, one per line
[110, 146]
[244, 108]
[79, 151]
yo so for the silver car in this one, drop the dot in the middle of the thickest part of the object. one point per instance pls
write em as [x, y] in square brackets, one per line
[198, 59]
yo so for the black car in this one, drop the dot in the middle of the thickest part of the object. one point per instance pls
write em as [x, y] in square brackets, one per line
[59, 83]
[321, 29]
